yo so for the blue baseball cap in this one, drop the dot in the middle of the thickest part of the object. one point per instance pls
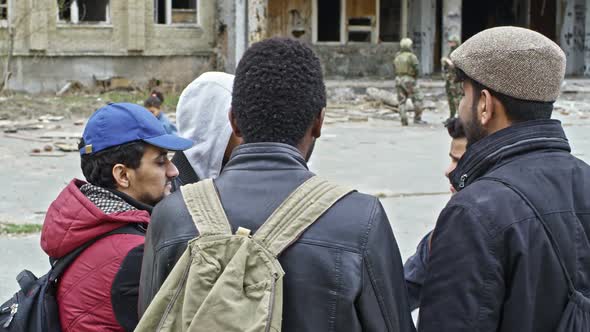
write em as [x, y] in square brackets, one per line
[120, 123]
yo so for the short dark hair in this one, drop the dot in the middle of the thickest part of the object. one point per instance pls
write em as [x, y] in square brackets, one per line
[455, 128]
[152, 101]
[98, 167]
[157, 94]
[278, 91]
[517, 110]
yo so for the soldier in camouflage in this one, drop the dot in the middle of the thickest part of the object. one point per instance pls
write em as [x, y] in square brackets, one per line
[406, 77]
[454, 89]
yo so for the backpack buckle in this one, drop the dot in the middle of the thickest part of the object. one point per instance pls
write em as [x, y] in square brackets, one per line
[243, 231]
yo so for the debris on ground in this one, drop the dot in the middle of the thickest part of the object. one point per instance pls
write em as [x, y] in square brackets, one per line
[383, 96]
[71, 86]
[46, 154]
[28, 138]
[50, 118]
[66, 147]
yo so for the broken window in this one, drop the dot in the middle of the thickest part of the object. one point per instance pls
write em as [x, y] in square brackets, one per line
[367, 21]
[390, 20]
[83, 11]
[328, 20]
[3, 10]
[175, 11]
[361, 19]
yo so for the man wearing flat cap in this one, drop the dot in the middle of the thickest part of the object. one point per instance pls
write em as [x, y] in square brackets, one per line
[512, 247]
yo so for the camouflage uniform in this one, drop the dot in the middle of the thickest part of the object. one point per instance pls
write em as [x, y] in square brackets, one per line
[454, 89]
[406, 71]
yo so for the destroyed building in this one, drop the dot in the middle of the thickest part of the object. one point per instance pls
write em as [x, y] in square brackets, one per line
[175, 40]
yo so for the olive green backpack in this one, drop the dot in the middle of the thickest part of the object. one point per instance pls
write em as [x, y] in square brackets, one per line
[234, 282]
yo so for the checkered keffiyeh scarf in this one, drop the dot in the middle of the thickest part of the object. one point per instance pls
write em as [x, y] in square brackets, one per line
[105, 200]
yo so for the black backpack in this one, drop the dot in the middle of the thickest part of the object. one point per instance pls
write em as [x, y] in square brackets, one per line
[575, 316]
[34, 307]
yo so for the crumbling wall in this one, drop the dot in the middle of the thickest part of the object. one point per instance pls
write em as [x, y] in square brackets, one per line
[573, 33]
[226, 35]
[257, 20]
[422, 30]
[49, 74]
[357, 61]
[451, 21]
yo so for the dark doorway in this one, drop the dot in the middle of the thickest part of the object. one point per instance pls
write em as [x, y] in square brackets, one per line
[390, 20]
[438, 38]
[329, 20]
[481, 15]
[543, 17]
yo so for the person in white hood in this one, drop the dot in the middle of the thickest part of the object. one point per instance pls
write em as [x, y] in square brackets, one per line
[202, 116]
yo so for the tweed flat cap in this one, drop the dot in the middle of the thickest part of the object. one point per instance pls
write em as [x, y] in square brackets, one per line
[517, 62]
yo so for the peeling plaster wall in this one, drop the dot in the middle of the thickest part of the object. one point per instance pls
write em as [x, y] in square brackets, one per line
[49, 74]
[226, 35]
[573, 34]
[451, 21]
[587, 41]
[257, 20]
[357, 61]
[422, 19]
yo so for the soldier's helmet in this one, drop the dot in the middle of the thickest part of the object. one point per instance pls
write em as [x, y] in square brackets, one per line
[456, 42]
[406, 44]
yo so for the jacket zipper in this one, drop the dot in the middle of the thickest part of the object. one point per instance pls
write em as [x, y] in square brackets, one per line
[462, 181]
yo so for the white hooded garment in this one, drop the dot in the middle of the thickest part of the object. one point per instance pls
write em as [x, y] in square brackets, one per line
[202, 116]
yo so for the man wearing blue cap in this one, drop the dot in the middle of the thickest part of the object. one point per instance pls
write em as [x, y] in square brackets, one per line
[124, 157]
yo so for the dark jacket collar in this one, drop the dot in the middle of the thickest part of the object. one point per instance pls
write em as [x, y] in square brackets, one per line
[186, 172]
[265, 156]
[132, 201]
[516, 140]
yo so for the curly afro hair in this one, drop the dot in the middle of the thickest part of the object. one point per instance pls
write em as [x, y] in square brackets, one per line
[278, 91]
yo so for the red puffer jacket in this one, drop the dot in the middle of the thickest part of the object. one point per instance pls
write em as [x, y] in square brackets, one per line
[98, 291]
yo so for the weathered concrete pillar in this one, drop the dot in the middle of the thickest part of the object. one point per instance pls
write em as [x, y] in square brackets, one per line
[241, 30]
[422, 18]
[572, 34]
[257, 20]
[136, 25]
[37, 16]
[451, 21]
[587, 41]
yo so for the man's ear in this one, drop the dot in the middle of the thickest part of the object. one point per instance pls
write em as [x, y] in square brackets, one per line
[316, 129]
[121, 176]
[234, 124]
[487, 111]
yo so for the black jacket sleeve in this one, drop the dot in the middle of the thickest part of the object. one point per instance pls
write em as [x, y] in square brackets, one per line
[383, 304]
[170, 229]
[125, 287]
[464, 284]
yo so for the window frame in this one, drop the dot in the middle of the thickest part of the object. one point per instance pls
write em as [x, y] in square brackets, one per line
[344, 28]
[4, 21]
[106, 23]
[168, 14]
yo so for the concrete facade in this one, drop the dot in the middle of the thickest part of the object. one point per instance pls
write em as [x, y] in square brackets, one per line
[130, 44]
[135, 40]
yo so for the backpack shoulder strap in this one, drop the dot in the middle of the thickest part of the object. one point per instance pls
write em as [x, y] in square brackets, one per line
[550, 235]
[203, 204]
[299, 211]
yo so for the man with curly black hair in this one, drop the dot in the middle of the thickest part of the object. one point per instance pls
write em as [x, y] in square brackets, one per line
[344, 273]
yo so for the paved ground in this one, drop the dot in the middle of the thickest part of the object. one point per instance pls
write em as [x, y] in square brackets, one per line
[406, 164]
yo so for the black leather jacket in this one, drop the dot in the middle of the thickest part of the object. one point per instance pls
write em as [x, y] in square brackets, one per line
[345, 272]
[491, 266]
